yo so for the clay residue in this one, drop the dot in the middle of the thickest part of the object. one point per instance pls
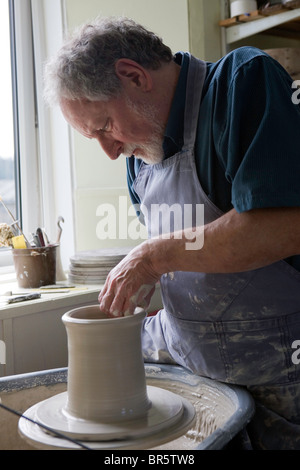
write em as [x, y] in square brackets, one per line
[213, 408]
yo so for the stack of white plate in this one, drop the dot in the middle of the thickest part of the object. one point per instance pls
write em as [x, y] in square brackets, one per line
[92, 267]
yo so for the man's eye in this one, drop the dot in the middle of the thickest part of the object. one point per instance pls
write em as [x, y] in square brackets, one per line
[106, 126]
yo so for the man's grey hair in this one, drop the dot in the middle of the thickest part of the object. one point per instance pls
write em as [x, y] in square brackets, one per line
[85, 65]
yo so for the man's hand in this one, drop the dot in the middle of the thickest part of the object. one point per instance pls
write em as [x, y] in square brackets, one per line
[129, 284]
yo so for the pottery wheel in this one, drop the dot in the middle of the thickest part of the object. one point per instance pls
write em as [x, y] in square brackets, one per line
[168, 417]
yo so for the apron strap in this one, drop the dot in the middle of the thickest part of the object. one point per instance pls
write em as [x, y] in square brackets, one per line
[195, 82]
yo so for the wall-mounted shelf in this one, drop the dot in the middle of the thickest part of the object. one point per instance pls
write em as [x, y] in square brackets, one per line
[279, 20]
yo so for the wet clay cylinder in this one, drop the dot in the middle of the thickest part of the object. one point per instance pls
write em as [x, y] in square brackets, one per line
[106, 375]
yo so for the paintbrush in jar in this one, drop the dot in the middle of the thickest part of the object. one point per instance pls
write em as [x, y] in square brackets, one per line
[15, 223]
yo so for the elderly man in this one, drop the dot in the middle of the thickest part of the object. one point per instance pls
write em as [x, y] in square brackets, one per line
[223, 136]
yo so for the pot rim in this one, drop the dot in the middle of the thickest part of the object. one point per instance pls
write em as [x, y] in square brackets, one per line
[71, 316]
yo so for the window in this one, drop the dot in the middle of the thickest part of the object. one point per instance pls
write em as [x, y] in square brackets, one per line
[19, 172]
[39, 164]
[9, 160]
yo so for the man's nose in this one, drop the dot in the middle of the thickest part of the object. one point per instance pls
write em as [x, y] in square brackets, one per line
[113, 148]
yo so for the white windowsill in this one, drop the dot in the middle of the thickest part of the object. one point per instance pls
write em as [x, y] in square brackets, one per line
[49, 301]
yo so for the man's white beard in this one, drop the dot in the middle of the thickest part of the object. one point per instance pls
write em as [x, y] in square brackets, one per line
[151, 152]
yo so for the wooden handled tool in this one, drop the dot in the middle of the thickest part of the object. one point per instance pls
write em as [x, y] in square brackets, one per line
[19, 241]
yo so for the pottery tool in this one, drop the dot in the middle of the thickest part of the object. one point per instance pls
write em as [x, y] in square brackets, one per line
[61, 286]
[64, 289]
[13, 228]
[10, 293]
[23, 298]
[60, 273]
[60, 219]
[35, 239]
[19, 242]
[40, 237]
[46, 239]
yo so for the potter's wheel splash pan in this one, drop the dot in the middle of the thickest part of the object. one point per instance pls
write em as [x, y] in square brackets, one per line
[221, 410]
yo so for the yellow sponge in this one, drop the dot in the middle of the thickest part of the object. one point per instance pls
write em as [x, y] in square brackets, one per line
[19, 242]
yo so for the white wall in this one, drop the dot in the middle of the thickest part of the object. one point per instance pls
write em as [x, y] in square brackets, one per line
[204, 30]
[97, 179]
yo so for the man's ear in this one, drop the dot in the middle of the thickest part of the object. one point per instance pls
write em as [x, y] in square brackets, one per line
[133, 74]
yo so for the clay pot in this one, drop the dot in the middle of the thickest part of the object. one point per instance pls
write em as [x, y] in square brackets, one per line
[35, 267]
[106, 375]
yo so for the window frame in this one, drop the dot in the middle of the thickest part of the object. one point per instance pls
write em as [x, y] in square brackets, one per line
[15, 111]
[44, 141]
[30, 184]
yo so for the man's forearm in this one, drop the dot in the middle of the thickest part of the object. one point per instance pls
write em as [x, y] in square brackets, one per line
[233, 243]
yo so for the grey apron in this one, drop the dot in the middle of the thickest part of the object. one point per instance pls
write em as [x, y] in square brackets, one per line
[236, 328]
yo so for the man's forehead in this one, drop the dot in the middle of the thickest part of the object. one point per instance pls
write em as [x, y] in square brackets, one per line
[81, 107]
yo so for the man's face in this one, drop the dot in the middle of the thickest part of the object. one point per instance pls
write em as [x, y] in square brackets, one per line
[120, 126]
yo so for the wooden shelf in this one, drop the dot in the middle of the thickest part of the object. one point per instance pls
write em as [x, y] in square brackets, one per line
[279, 20]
